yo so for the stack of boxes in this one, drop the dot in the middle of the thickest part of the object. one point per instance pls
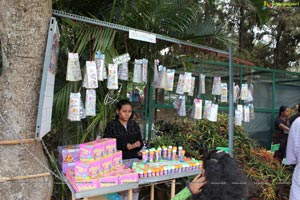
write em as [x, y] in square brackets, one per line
[94, 165]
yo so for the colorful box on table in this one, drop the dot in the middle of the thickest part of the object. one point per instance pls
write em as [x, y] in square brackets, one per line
[132, 177]
[110, 145]
[117, 159]
[81, 185]
[107, 181]
[65, 166]
[87, 152]
[106, 162]
[69, 153]
[86, 170]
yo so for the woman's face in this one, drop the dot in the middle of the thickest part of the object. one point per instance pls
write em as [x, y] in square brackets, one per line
[125, 112]
[286, 113]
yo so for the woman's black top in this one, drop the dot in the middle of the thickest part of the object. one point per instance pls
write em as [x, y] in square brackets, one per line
[130, 134]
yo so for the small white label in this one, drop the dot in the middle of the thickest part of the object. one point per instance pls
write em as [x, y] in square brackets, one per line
[138, 35]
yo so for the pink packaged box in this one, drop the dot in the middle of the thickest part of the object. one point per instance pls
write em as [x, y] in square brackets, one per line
[82, 185]
[65, 166]
[86, 152]
[99, 149]
[69, 153]
[117, 159]
[106, 162]
[110, 145]
[128, 178]
[108, 181]
[86, 170]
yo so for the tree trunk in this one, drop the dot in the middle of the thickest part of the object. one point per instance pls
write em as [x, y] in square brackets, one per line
[24, 27]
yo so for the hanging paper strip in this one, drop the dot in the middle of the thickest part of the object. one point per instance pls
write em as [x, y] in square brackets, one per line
[246, 113]
[73, 68]
[82, 110]
[224, 92]
[123, 71]
[241, 110]
[74, 107]
[156, 76]
[163, 83]
[170, 79]
[213, 114]
[238, 118]
[187, 82]
[197, 109]
[180, 84]
[207, 108]
[244, 91]
[216, 90]
[112, 80]
[137, 71]
[100, 64]
[202, 83]
[90, 102]
[145, 70]
[91, 71]
[182, 109]
[236, 93]
[251, 110]
[250, 92]
[121, 59]
[191, 92]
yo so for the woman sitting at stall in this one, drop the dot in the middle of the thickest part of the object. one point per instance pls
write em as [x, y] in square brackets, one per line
[221, 180]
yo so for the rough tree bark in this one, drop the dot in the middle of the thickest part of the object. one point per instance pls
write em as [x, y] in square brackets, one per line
[23, 34]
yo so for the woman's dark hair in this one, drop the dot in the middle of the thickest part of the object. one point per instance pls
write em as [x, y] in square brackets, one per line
[282, 109]
[121, 103]
[225, 181]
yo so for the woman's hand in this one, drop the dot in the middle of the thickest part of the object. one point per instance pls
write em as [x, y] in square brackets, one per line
[137, 144]
[197, 183]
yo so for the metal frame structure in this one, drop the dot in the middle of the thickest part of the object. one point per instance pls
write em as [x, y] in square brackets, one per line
[164, 38]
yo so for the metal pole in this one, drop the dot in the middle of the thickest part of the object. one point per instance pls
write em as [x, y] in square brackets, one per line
[231, 105]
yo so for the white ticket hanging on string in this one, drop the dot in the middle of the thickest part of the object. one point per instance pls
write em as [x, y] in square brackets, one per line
[156, 75]
[112, 79]
[191, 92]
[202, 83]
[121, 59]
[187, 82]
[137, 71]
[238, 118]
[180, 84]
[91, 71]
[73, 68]
[213, 115]
[216, 90]
[246, 113]
[244, 91]
[207, 108]
[224, 92]
[123, 71]
[240, 108]
[197, 109]
[170, 79]
[90, 102]
[145, 70]
[100, 64]
[74, 107]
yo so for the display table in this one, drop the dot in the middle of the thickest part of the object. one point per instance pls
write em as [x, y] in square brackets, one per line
[129, 186]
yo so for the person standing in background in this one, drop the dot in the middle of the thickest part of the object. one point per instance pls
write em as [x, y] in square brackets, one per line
[282, 128]
[293, 158]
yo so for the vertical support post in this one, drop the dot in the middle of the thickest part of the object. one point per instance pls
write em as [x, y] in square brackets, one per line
[231, 105]
[130, 194]
[273, 102]
[152, 192]
[173, 184]
[150, 116]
